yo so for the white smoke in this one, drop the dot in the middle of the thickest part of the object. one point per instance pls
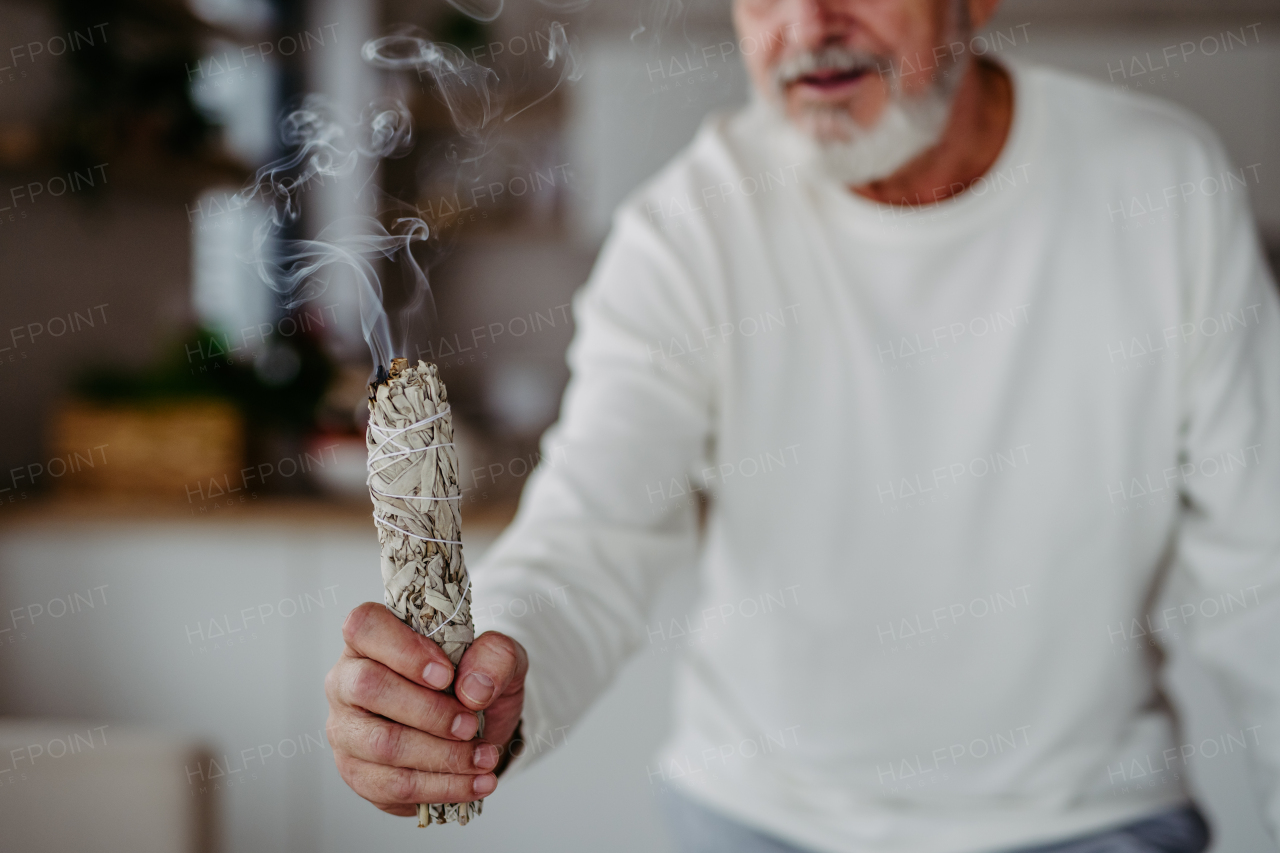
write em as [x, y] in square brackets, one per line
[324, 146]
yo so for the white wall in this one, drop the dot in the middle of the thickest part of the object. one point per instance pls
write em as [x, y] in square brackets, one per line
[637, 104]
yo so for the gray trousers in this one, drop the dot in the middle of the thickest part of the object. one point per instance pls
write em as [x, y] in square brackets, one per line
[695, 829]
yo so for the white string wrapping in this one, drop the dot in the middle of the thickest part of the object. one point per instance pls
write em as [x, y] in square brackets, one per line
[377, 520]
[414, 485]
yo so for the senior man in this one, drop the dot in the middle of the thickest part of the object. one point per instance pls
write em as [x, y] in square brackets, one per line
[977, 368]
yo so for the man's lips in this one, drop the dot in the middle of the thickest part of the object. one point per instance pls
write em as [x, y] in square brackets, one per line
[831, 81]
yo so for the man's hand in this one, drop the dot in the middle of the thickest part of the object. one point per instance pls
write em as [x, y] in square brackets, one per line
[396, 738]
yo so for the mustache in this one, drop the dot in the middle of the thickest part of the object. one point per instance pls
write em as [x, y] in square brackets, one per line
[833, 58]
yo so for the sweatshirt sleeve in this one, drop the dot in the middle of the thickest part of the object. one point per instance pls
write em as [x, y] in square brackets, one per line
[1228, 540]
[573, 577]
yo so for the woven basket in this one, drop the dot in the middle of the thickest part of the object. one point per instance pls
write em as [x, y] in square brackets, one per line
[161, 450]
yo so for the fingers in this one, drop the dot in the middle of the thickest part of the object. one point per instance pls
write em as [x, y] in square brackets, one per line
[390, 787]
[493, 666]
[397, 739]
[380, 741]
[371, 686]
[374, 631]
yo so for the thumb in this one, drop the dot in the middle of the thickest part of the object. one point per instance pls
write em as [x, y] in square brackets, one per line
[490, 678]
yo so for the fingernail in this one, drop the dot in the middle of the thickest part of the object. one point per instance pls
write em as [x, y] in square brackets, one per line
[477, 687]
[484, 784]
[436, 675]
[486, 757]
[464, 726]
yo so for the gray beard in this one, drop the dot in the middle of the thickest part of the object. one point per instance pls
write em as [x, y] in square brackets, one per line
[832, 145]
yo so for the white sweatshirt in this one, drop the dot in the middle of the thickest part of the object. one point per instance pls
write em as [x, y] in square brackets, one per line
[950, 453]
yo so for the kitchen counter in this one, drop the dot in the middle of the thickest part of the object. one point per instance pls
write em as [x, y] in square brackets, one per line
[59, 510]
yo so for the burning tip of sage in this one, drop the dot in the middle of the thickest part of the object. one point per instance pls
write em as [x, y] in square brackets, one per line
[384, 376]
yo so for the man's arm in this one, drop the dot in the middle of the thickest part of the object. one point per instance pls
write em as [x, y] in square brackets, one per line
[600, 524]
[1228, 541]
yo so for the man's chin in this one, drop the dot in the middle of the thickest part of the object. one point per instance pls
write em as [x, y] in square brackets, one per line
[808, 127]
[825, 123]
[833, 146]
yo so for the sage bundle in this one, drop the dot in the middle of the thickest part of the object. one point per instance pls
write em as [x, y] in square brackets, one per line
[413, 481]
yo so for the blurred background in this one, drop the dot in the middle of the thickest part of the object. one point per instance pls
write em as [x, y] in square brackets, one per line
[183, 517]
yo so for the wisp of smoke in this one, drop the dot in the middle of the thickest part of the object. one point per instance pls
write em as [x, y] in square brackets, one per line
[466, 88]
[488, 12]
[483, 12]
[663, 15]
[566, 5]
[323, 147]
[558, 50]
[299, 269]
[470, 91]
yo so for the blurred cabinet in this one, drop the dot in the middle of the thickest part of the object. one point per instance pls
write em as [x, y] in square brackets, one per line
[218, 632]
